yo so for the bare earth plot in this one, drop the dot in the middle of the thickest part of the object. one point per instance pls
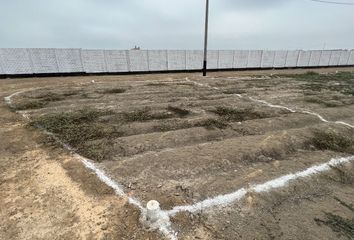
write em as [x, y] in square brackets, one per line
[182, 139]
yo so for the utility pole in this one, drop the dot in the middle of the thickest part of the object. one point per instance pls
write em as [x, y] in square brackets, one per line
[206, 39]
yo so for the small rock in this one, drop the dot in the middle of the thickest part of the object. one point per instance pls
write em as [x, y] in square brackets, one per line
[104, 227]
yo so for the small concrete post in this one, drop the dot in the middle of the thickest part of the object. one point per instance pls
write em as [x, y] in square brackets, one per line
[152, 211]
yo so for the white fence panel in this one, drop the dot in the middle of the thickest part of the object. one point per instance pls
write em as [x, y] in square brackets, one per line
[213, 59]
[325, 58]
[280, 58]
[351, 58]
[240, 59]
[2, 72]
[28, 61]
[157, 60]
[254, 59]
[304, 59]
[69, 60]
[226, 59]
[116, 61]
[344, 57]
[268, 59]
[43, 60]
[138, 60]
[315, 58]
[335, 57]
[292, 58]
[176, 59]
[15, 61]
[194, 59]
[93, 61]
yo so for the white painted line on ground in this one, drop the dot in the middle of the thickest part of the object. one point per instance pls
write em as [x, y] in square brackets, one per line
[272, 105]
[279, 106]
[200, 84]
[8, 99]
[224, 200]
[302, 111]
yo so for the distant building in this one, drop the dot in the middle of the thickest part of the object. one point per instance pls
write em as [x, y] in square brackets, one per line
[136, 48]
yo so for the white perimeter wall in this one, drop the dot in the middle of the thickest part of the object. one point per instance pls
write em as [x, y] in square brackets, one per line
[315, 58]
[304, 59]
[15, 61]
[43, 60]
[325, 58]
[69, 60]
[335, 57]
[157, 60]
[280, 58]
[48, 60]
[254, 59]
[213, 59]
[115, 61]
[351, 58]
[268, 58]
[176, 60]
[226, 59]
[93, 61]
[194, 59]
[292, 58]
[241, 59]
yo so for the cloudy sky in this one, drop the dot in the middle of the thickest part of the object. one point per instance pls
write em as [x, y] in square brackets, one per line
[178, 24]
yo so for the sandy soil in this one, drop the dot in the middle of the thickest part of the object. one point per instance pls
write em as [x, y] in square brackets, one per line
[175, 160]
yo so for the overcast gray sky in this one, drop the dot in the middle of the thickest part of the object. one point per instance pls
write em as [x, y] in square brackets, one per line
[178, 24]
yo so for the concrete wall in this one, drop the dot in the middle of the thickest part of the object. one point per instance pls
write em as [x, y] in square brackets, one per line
[176, 60]
[280, 59]
[304, 59]
[116, 61]
[138, 61]
[194, 59]
[213, 59]
[69, 60]
[14, 61]
[268, 58]
[241, 59]
[157, 60]
[93, 61]
[315, 58]
[344, 58]
[254, 59]
[43, 60]
[226, 59]
[292, 58]
[335, 57]
[351, 58]
[325, 58]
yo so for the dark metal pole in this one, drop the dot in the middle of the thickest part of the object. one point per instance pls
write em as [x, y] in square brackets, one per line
[206, 38]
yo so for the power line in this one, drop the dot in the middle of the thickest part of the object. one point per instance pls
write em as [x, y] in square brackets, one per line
[333, 2]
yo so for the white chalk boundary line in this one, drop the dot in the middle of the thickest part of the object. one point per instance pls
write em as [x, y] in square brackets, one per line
[275, 106]
[163, 224]
[301, 111]
[223, 200]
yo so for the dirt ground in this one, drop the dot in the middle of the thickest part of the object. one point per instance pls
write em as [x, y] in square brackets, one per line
[179, 139]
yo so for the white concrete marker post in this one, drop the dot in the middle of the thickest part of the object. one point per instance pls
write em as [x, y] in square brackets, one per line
[153, 211]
